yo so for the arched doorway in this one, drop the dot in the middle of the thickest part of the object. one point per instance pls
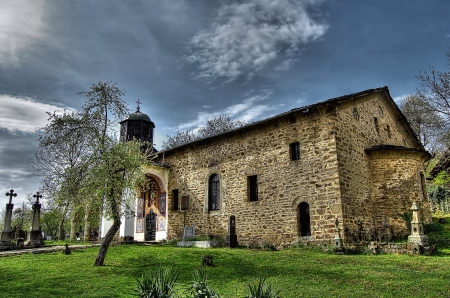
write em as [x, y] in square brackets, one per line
[304, 222]
[153, 209]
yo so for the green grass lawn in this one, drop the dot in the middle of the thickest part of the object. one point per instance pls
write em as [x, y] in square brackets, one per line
[297, 272]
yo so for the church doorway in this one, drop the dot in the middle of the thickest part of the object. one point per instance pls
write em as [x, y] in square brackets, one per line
[151, 211]
[304, 222]
[150, 226]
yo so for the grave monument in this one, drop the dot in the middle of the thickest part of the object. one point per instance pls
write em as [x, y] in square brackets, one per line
[231, 239]
[7, 233]
[35, 238]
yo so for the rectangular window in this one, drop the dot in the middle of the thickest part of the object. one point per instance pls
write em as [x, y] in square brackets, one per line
[184, 202]
[175, 199]
[252, 184]
[294, 149]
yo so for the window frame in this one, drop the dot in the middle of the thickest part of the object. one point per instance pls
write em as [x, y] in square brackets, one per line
[252, 188]
[214, 203]
[294, 151]
[175, 200]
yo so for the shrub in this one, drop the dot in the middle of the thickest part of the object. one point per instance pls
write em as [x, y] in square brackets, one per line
[157, 284]
[261, 290]
[433, 227]
[269, 246]
[199, 287]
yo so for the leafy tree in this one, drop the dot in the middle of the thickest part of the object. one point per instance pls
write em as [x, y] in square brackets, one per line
[115, 180]
[22, 215]
[94, 171]
[2, 219]
[213, 127]
[62, 159]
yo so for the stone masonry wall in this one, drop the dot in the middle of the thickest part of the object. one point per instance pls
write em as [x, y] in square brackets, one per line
[375, 123]
[282, 184]
[335, 175]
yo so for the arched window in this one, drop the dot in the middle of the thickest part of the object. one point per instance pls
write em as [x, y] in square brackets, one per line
[380, 111]
[304, 224]
[214, 192]
[355, 114]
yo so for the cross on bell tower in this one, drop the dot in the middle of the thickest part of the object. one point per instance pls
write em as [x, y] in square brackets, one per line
[137, 126]
[138, 103]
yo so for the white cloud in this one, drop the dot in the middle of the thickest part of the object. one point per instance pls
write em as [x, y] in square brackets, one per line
[248, 110]
[247, 35]
[21, 23]
[24, 114]
[398, 99]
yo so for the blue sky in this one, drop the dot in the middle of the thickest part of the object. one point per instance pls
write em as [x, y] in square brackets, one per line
[190, 60]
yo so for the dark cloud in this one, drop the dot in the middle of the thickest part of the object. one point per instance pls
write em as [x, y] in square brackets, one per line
[266, 57]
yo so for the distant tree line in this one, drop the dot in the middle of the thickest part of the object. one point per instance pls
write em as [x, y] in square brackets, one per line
[214, 126]
[428, 112]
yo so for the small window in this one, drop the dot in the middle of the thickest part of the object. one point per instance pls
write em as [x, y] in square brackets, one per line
[252, 184]
[403, 142]
[214, 192]
[388, 129]
[377, 127]
[294, 149]
[184, 202]
[355, 114]
[146, 131]
[380, 111]
[175, 199]
[304, 221]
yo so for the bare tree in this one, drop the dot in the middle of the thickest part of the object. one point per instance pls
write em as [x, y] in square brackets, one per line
[429, 125]
[214, 126]
[435, 89]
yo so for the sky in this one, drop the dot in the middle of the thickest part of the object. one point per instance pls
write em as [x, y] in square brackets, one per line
[188, 61]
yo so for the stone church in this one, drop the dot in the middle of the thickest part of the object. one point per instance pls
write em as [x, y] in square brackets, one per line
[287, 178]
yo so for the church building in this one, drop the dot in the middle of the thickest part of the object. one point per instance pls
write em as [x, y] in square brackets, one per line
[287, 178]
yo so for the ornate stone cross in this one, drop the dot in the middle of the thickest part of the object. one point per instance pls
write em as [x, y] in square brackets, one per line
[11, 194]
[37, 196]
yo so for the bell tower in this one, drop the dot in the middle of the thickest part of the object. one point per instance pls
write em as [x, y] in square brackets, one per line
[137, 125]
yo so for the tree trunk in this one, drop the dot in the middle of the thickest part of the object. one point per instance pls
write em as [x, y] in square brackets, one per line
[106, 241]
[87, 227]
[61, 232]
[73, 227]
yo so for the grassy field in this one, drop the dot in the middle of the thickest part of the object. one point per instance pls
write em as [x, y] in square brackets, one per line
[297, 272]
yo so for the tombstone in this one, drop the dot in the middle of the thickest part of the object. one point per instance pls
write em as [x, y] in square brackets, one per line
[8, 233]
[35, 238]
[338, 248]
[231, 239]
[188, 233]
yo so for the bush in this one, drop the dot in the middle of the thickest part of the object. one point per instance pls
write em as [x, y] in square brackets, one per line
[269, 246]
[260, 290]
[157, 284]
[433, 227]
[199, 288]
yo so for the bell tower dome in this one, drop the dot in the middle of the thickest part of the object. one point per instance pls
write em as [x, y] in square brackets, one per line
[137, 125]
